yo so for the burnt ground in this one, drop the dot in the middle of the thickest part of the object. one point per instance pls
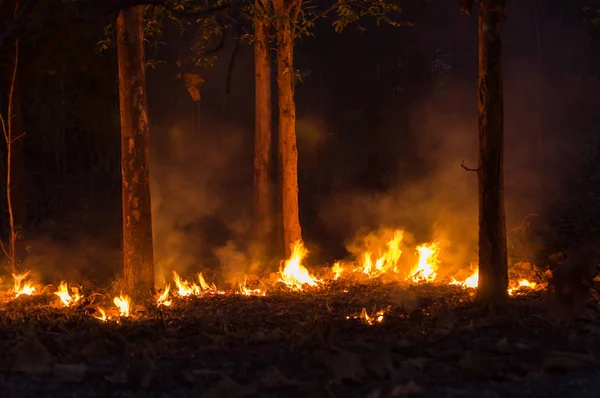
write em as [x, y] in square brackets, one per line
[431, 342]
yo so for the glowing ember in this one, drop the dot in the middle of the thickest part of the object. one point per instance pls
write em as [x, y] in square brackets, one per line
[102, 315]
[426, 268]
[522, 284]
[64, 295]
[22, 285]
[163, 299]
[294, 274]
[377, 317]
[337, 270]
[123, 302]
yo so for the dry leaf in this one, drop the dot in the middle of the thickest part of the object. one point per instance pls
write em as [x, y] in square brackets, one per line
[344, 365]
[31, 357]
[565, 361]
[119, 377]
[227, 388]
[411, 388]
[192, 83]
[273, 379]
[70, 372]
[504, 346]
[446, 320]
[141, 371]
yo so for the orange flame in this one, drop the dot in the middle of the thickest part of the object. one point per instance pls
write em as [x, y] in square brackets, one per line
[522, 284]
[388, 261]
[426, 268]
[22, 285]
[337, 270]
[123, 302]
[102, 315]
[163, 299]
[246, 291]
[293, 273]
[66, 298]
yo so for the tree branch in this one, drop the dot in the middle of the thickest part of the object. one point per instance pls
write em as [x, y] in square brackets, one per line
[462, 164]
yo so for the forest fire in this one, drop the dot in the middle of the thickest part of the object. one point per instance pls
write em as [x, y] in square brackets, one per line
[295, 276]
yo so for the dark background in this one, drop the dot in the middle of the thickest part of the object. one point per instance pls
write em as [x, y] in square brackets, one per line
[385, 118]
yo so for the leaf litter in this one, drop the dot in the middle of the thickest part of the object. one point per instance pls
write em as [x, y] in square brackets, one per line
[428, 343]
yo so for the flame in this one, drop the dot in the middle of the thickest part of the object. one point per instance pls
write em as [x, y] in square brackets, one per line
[376, 317]
[102, 313]
[387, 261]
[163, 299]
[246, 291]
[337, 270]
[66, 298]
[522, 284]
[204, 285]
[185, 288]
[294, 274]
[22, 285]
[426, 268]
[470, 282]
[123, 302]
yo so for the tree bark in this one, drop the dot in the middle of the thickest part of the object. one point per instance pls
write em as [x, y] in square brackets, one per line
[138, 261]
[493, 261]
[263, 201]
[14, 123]
[287, 13]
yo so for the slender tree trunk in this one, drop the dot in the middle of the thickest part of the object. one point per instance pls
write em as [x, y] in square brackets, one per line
[493, 262]
[263, 200]
[287, 12]
[138, 261]
[15, 182]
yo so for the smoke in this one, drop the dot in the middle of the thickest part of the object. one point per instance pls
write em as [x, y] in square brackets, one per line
[200, 211]
[433, 198]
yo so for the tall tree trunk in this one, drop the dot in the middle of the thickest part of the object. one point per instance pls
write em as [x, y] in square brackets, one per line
[11, 89]
[493, 262]
[287, 12]
[138, 261]
[263, 201]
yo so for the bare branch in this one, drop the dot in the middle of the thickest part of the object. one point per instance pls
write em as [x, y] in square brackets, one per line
[462, 164]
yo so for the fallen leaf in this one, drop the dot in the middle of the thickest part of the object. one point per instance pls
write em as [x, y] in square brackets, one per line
[141, 371]
[70, 372]
[566, 361]
[446, 320]
[378, 365]
[227, 388]
[119, 377]
[31, 357]
[273, 379]
[344, 365]
[411, 388]
[503, 346]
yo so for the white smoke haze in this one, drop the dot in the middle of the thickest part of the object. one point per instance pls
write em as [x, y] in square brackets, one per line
[200, 211]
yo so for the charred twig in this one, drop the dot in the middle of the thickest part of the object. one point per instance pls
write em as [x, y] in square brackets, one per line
[232, 61]
[462, 164]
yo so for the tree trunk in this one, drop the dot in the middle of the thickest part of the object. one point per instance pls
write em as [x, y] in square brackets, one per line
[493, 262]
[287, 11]
[263, 200]
[14, 123]
[138, 262]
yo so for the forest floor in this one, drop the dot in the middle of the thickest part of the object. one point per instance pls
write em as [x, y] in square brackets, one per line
[430, 342]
